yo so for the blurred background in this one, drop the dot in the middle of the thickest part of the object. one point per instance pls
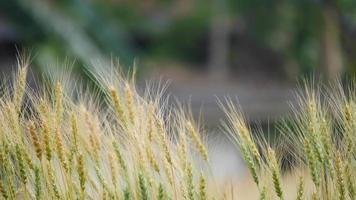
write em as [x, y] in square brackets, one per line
[208, 49]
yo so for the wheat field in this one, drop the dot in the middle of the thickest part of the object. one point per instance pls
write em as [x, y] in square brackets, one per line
[62, 142]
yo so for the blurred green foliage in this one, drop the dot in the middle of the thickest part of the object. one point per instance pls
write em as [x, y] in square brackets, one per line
[165, 29]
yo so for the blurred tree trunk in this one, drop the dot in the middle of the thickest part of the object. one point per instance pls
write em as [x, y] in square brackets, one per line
[219, 40]
[331, 51]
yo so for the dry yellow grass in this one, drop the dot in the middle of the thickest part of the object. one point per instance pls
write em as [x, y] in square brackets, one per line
[56, 146]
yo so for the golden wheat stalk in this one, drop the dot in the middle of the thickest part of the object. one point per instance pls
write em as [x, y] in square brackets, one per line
[134, 147]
